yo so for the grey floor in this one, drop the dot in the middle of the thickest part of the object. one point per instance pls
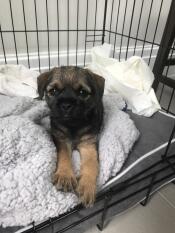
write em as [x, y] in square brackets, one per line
[157, 217]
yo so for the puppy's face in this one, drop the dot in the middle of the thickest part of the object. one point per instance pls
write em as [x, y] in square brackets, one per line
[72, 93]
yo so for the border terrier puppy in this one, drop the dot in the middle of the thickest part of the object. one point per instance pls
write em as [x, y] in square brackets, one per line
[74, 96]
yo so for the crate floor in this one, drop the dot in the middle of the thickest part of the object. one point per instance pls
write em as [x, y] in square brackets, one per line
[157, 217]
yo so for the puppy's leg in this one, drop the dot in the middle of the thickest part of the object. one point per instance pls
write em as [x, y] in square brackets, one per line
[88, 173]
[64, 176]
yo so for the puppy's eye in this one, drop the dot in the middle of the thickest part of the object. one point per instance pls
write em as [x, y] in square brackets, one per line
[83, 93]
[52, 91]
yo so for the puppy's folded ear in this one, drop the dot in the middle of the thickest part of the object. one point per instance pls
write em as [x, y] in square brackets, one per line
[99, 82]
[42, 81]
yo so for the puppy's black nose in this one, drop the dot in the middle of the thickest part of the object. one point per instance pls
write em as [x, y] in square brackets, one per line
[66, 106]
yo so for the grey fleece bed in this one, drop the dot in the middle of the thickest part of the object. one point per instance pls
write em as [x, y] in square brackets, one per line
[148, 149]
[28, 158]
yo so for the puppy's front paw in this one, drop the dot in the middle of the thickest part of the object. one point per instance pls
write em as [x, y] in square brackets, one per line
[65, 179]
[87, 191]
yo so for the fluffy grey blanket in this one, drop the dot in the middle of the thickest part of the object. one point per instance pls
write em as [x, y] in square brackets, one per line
[28, 158]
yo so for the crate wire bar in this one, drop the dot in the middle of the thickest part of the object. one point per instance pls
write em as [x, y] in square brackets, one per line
[107, 196]
[118, 27]
[62, 32]
[111, 23]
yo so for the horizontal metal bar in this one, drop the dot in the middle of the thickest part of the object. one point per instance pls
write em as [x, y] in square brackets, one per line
[170, 164]
[131, 37]
[95, 35]
[172, 113]
[51, 30]
[150, 175]
[75, 30]
[88, 41]
[109, 206]
[128, 183]
[119, 187]
[167, 81]
[144, 171]
[112, 204]
[170, 62]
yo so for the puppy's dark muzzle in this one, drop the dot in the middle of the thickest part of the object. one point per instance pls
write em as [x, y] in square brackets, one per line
[66, 107]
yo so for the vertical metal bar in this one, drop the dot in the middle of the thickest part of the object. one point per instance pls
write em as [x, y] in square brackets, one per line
[172, 50]
[14, 36]
[161, 93]
[123, 28]
[133, 8]
[116, 28]
[103, 216]
[67, 32]
[166, 74]
[48, 42]
[143, 203]
[147, 28]
[165, 46]
[36, 21]
[169, 143]
[138, 27]
[171, 55]
[104, 21]
[24, 17]
[77, 30]
[86, 32]
[34, 227]
[111, 21]
[58, 28]
[158, 18]
[3, 47]
[95, 22]
[171, 98]
[52, 225]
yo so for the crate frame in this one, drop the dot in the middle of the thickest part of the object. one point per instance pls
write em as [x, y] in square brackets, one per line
[166, 49]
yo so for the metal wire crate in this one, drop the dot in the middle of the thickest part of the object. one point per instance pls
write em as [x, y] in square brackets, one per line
[42, 34]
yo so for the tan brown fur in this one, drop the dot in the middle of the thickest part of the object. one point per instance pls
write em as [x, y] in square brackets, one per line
[64, 176]
[70, 78]
[80, 131]
[88, 172]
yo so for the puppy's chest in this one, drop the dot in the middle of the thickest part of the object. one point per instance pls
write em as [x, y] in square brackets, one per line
[75, 137]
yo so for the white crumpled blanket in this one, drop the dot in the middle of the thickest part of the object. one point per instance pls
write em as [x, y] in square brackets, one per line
[17, 80]
[28, 158]
[132, 78]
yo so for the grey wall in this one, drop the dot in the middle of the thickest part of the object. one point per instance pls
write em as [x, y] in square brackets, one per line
[92, 23]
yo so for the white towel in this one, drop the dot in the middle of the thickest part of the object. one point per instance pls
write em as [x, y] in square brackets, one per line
[17, 80]
[131, 78]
